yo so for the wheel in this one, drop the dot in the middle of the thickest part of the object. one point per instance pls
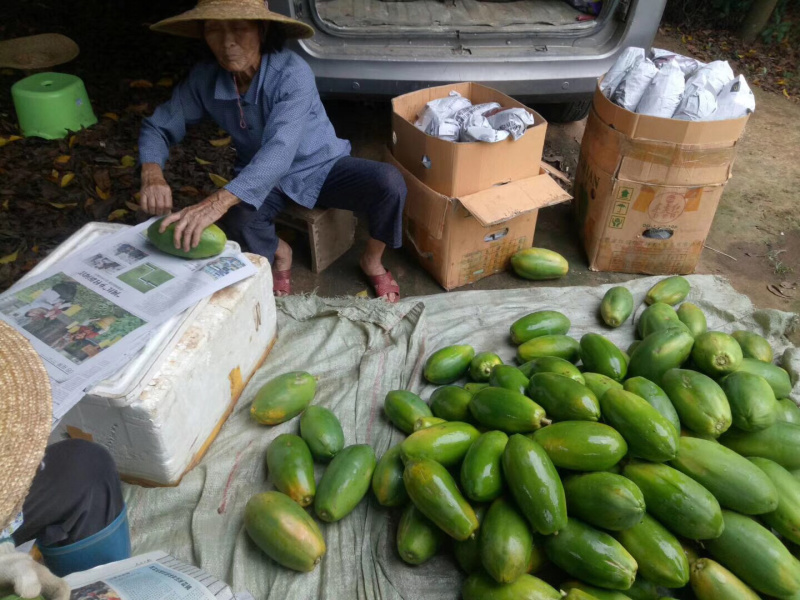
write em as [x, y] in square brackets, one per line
[565, 112]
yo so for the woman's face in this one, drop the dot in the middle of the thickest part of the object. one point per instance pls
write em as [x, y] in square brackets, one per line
[236, 44]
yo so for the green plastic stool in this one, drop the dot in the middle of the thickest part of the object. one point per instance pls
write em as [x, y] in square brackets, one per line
[50, 105]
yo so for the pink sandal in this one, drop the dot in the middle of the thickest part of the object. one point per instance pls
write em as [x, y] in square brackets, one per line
[384, 285]
[282, 282]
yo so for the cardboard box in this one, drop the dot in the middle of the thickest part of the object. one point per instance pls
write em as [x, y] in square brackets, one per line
[459, 169]
[460, 240]
[647, 188]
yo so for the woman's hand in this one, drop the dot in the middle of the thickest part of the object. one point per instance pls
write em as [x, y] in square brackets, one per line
[156, 196]
[192, 220]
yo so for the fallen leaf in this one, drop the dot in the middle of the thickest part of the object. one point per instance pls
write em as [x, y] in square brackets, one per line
[202, 162]
[117, 214]
[778, 292]
[127, 161]
[63, 159]
[141, 83]
[362, 294]
[9, 258]
[218, 180]
[785, 93]
[190, 190]
[53, 176]
[102, 179]
[7, 140]
[165, 82]
[62, 206]
[220, 143]
[66, 179]
[137, 196]
[88, 203]
[101, 193]
[132, 205]
[35, 249]
[5, 204]
[112, 116]
[73, 139]
[137, 108]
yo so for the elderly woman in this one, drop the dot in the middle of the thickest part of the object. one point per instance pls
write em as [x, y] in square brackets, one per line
[265, 97]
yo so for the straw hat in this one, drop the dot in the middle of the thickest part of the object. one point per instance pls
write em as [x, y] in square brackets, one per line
[37, 51]
[190, 23]
[25, 418]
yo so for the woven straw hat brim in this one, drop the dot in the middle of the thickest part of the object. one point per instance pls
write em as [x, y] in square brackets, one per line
[26, 410]
[190, 23]
[37, 51]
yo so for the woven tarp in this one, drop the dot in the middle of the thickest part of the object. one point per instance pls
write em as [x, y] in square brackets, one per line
[360, 350]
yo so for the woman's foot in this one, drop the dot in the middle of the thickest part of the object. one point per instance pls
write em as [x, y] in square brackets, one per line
[381, 279]
[282, 270]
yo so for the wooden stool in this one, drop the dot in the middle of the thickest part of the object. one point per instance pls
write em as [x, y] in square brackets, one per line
[331, 232]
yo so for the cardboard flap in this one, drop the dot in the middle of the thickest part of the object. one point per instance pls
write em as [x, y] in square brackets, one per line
[423, 205]
[504, 202]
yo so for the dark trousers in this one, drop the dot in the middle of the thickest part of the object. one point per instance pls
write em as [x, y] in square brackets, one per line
[75, 494]
[371, 188]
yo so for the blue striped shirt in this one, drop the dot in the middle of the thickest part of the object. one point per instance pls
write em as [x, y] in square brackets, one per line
[288, 141]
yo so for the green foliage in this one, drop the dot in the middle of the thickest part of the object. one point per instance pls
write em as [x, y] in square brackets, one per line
[729, 14]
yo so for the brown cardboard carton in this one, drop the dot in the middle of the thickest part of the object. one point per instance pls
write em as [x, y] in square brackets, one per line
[458, 169]
[647, 188]
[460, 240]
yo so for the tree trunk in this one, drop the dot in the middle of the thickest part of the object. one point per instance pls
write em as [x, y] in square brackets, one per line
[756, 19]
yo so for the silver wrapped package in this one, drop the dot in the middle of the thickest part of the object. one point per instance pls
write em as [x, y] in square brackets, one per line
[466, 114]
[437, 117]
[664, 93]
[626, 61]
[697, 105]
[687, 64]
[513, 120]
[712, 76]
[735, 101]
[634, 85]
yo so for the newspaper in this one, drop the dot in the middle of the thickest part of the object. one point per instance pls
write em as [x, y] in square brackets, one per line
[152, 576]
[93, 311]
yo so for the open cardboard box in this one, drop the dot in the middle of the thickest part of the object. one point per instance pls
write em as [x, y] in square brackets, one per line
[647, 188]
[459, 169]
[461, 239]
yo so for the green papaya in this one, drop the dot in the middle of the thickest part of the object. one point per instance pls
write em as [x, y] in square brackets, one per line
[632, 347]
[212, 241]
[481, 365]
[716, 353]
[387, 479]
[660, 352]
[506, 542]
[752, 401]
[787, 411]
[535, 484]
[658, 553]
[291, 468]
[779, 443]
[434, 492]
[284, 531]
[474, 387]
[693, 317]
[699, 400]
[616, 306]
[537, 324]
[446, 443]
[754, 346]
[594, 592]
[600, 355]
[561, 346]
[604, 500]
[579, 595]
[681, 504]
[479, 586]
[582, 445]
[482, 469]
[594, 556]
[283, 398]
[711, 581]
[418, 539]
[468, 552]
[510, 378]
[562, 398]
[345, 482]
[403, 408]
[551, 364]
[655, 396]
[671, 290]
[600, 384]
[499, 408]
[451, 403]
[785, 519]
[658, 317]
[322, 431]
[424, 422]
[735, 482]
[776, 377]
[538, 263]
[642, 589]
[448, 364]
[756, 556]
[649, 435]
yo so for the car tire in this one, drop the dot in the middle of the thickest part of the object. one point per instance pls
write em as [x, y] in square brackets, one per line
[565, 112]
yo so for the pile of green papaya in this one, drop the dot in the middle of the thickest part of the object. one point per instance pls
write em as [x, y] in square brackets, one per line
[670, 469]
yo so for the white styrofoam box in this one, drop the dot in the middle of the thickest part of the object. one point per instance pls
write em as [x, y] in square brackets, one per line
[159, 413]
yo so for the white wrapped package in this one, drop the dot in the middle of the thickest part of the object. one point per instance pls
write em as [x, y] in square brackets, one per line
[688, 65]
[465, 115]
[437, 118]
[664, 93]
[634, 85]
[712, 76]
[482, 132]
[626, 61]
[697, 105]
[735, 101]
[513, 120]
